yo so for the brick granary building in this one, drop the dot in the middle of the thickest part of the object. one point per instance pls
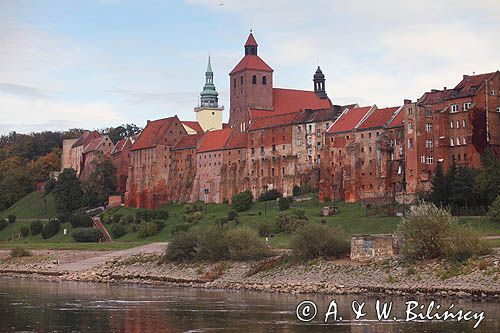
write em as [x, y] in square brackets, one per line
[280, 138]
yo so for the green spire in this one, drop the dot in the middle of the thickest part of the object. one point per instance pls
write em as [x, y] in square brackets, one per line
[209, 94]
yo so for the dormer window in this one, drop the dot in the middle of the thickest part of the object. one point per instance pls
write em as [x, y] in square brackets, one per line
[466, 106]
[454, 108]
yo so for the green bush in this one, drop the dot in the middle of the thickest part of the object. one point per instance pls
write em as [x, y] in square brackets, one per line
[86, 235]
[266, 228]
[466, 242]
[197, 216]
[63, 218]
[270, 195]
[11, 218]
[283, 203]
[161, 214]
[424, 232]
[221, 221]
[494, 212]
[81, 221]
[147, 229]
[297, 225]
[181, 227]
[242, 201]
[117, 231]
[182, 247]
[213, 244]
[36, 227]
[245, 244]
[50, 229]
[19, 251]
[115, 218]
[317, 240]
[24, 231]
[232, 215]
[3, 224]
[159, 223]
[299, 213]
[296, 190]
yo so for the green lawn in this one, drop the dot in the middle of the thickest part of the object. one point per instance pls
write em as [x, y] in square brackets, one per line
[32, 206]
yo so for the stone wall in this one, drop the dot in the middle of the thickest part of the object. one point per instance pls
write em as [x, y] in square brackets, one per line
[371, 247]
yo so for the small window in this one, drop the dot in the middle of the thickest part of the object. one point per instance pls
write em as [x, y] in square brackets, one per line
[458, 124]
[234, 82]
[428, 112]
[498, 109]
[410, 126]
[452, 143]
[464, 141]
[241, 80]
[428, 127]
[264, 80]
[410, 111]
[464, 123]
[454, 108]
[466, 106]
[254, 79]
[451, 124]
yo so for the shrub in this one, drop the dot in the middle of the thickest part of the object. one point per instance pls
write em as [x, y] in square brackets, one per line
[161, 214]
[117, 231]
[50, 229]
[144, 215]
[232, 215]
[245, 244]
[126, 220]
[36, 227]
[298, 224]
[299, 213]
[115, 218]
[317, 240]
[63, 218]
[213, 244]
[81, 221]
[283, 203]
[147, 229]
[296, 190]
[24, 231]
[11, 218]
[424, 231]
[242, 201]
[182, 227]
[197, 216]
[86, 235]
[494, 212]
[266, 228]
[270, 195]
[182, 247]
[221, 221]
[159, 223]
[466, 242]
[19, 251]
[3, 224]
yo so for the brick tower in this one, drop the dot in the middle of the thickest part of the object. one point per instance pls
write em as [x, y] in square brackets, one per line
[251, 83]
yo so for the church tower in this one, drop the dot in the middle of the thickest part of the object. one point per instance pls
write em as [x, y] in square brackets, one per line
[319, 84]
[209, 114]
[251, 86]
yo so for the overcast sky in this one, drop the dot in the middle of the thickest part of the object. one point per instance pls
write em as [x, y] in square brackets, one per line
[93, 64]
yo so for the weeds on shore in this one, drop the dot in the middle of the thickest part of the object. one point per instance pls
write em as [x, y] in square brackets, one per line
[19, 251]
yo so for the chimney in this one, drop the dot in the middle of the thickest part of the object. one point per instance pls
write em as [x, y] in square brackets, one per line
[407, 101]
[444, 88]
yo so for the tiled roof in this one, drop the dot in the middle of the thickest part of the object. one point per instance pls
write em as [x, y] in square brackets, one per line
[397, 120]
[214, 140]
[272, 121]
[85, 138]
[349, 119]
[189, 141]
[434, 97]
[93, 144]
[237, 140]
[378, 118]
[152, 133]
[251, 41]
[312, 116]
[469, 85]
[291, 100]
[119, 146]
[251, 61]
[194, 125]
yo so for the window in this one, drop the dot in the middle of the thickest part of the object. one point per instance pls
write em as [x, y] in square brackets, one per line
[466, 106]
[318, 132]
[464, 123]
[262, 149]
[234, 82]
[410, 126]
[454, 108]
[253, 151]
[464, 141]
[422, 159]
[452, 143]
[430, 159]
[264, 80]
[241, 80]
[428, 112]
[498, 109]
[274, 147]
[254, 79]
[428, 143]
[458, 124]
[428, 127]
[327, 125]
[458, 141]
[493, 93]
[410, 143]
[451, 124]
[309, 140]
[410, 111]
[299, 142]
[272, 172]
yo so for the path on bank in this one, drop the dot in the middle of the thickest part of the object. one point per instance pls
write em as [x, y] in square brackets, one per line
[89, 263]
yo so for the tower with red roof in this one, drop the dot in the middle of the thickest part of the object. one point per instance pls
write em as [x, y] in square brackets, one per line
[251, 86]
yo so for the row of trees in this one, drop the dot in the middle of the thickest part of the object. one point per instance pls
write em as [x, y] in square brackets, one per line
[467, 187]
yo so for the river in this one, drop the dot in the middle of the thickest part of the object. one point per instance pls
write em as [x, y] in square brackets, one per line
[38, 306]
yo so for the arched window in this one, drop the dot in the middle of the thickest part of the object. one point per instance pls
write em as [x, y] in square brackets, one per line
[264, 80]
[254, 79]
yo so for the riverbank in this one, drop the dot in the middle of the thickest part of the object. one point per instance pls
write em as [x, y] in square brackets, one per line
[479, 278]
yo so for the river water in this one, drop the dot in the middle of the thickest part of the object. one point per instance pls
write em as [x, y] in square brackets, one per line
[35, 306]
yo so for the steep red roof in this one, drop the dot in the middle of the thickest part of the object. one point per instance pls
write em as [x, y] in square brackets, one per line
[273, 121]
[312, 116]
[349, 119]
[93, 144]
[469, 85]
[251, 61]
[237, 140]
[119, 146]
[434, 97]
[251, 41]
[85, 138]
[152, 133]
[189, 141]
[397, 120]
[291, 100]
[378, 118]
[194, 125]
[214, 140]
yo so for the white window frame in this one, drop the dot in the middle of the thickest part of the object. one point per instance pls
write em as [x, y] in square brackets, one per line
[457, 141]
[451, 124]
[428, 127]
[464, 123]
[454, 108]
[422, 159]
[466, 106]
[452, 142]
[464, 140]
[430, 159]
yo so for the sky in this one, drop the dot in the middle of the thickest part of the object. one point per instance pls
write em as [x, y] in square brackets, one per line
[99, 63]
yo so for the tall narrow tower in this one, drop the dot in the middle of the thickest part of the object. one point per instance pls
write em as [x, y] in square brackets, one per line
[251, 83]
[209, 114]
[319, 84]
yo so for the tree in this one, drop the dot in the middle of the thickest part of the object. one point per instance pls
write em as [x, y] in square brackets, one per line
[122, 132]
[439, 194]
[103, 178]
[68, 192]
[462, 189]
[242, 201]
[487, 182]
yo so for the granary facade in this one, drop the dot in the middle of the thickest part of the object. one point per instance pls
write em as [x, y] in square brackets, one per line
[100, 147]
[278, 138]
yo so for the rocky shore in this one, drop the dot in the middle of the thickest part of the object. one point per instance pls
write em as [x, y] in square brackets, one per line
[478, 278]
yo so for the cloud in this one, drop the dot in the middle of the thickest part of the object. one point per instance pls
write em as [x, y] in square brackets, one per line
[139, 97]
[23, 91]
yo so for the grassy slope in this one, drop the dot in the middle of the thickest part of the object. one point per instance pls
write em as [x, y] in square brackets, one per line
[32, 206]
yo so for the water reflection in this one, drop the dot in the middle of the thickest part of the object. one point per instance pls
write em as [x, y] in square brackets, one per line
[27, 305]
